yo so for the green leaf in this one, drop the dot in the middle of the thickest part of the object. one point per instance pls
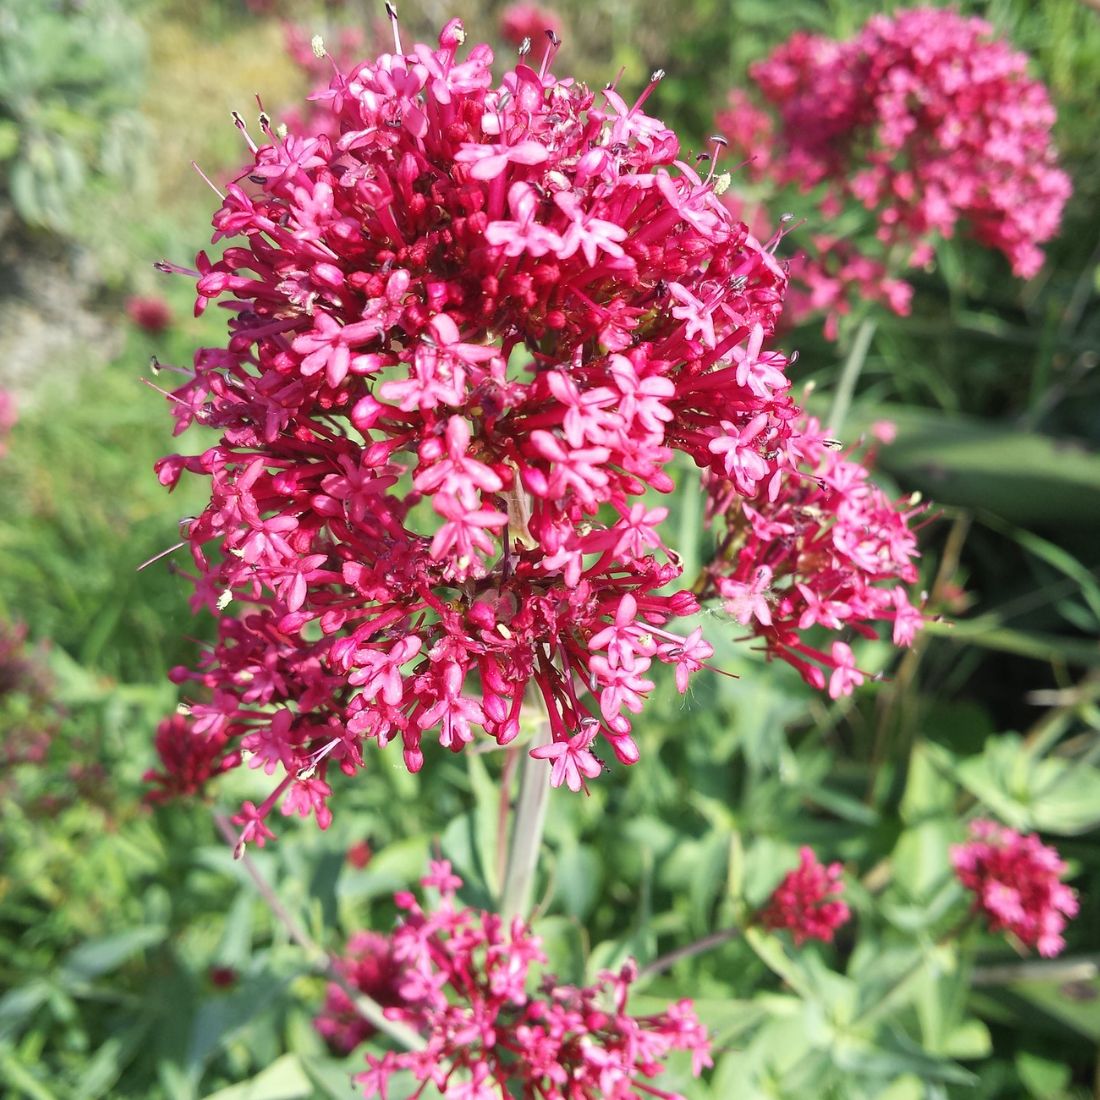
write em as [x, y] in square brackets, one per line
[578, 875]
[395, 867]
[969, 1041]
[1043, 1078]
[1069, 803]
[1053, 794]
[334, 1078]
[1027, 478]
[284, 1079]
[97, 957]
[19, 1076]
[17, 1006]
[921, 859]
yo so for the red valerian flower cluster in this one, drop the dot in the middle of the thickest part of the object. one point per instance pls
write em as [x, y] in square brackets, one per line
[369, 965]
[808, 901]
[825, 548]
[523, 21]
[926, 120]
[460, 978]
[471, 326]
[1016, 883]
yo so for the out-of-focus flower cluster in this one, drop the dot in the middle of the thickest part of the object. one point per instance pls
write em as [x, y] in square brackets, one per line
[824, 548]
[470, 327]
[1016, 883]
[462, 979]
[28, 713]
[925, 119]
[9, 417]
[530, 23]
[149, 312]
[808, 901]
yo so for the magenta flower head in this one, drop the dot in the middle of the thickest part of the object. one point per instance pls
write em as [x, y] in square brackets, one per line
[924, 117]
[807, 902]
[471, 325]
[467, 983]
[1016, 884]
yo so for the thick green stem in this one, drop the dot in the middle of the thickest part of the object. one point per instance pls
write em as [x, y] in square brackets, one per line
[849, 375]
[528, 823]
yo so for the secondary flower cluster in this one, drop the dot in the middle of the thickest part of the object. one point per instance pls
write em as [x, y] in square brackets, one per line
[807, 902]
[926, 120]
[460, 978]
[827, 548]
[470, 328]
[1016, 883]
[522, 22]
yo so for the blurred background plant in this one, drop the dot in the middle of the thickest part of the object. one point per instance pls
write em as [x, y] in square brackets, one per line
[136, 959]
[71, 74]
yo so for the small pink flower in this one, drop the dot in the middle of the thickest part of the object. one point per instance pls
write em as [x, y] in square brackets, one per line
[572, 760]
[807, 901]
[845, 676]
[748, 600]
[441, 877]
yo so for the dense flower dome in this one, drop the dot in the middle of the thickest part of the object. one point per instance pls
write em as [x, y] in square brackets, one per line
[927, 120]
[471, 327]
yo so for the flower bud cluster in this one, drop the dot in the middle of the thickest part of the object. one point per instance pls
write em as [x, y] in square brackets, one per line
[461, 978]
[808, 901]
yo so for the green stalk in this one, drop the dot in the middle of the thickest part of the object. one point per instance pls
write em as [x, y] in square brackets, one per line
[849, 375]
[528, 824]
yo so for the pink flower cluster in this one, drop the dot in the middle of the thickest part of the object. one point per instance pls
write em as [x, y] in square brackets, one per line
[369, 965]
[460, 978]
[471, 327]
[1016, 884]
[823, 548]
[807, 902]
[926, 120]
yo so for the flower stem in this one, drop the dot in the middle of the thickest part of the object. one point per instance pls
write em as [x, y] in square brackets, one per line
[707, 943]
[528, 824]
[849, 375]
[319, 958]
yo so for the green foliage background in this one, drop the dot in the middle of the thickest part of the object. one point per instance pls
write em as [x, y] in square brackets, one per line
[118, 922]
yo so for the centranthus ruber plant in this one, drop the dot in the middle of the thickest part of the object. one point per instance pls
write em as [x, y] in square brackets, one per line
[472, 324]
[460, 977]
